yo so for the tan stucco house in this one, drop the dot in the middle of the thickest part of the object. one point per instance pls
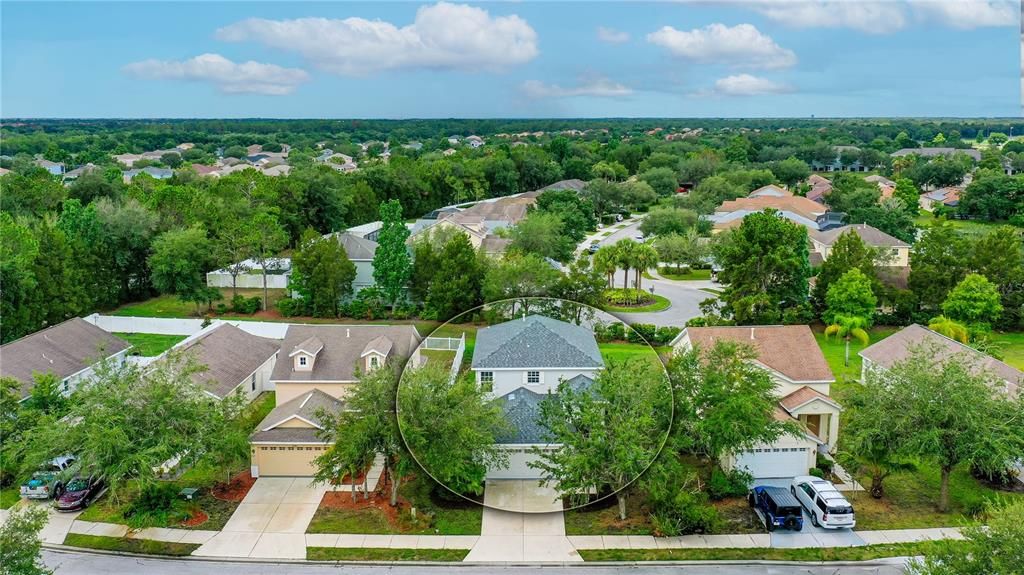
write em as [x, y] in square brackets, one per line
[894, 252]
[790, 354]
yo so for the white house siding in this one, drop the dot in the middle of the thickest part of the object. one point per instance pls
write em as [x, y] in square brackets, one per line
[187, 327]
[508, 380]
[247, 280]
[263, 382]
[71, 382]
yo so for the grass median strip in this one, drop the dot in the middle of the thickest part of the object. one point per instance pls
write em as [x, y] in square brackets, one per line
[125, 545]
[380, 554]
[863, 553]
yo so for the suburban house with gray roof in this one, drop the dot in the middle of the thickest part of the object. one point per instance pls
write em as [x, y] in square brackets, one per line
[234, 361]
[68, 350]
[360, 251]
[287, 441]
[522, 362]
[894, 251]
[791, 356]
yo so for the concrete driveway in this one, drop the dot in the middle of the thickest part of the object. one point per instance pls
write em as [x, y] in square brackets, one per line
[522, 521]
[809, 536]
[270, 522]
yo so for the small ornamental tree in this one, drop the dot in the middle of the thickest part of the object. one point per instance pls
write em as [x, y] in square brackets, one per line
[974, 301]
[179, 264]
[322, 274]
[851, 295]
[996, 548]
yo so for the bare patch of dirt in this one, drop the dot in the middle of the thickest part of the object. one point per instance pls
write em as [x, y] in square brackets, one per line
[236, 489]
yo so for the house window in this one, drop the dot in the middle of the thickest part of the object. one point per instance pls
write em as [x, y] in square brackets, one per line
[253, 381]
[486, 377]
[533, 377]
[374, 363]
[302, 360]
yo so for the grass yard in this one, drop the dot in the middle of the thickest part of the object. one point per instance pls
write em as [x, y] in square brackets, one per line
[660, 304]
[863, 553]
[966, 227]
[1012, 347]
[441, 357]
[691, 275]
[712, 291]
[602, 518]
[171, 306]
[834, 349]
[125, 545]
[911, 500]
[150, 344]
[366, 554]
[621, 351]
[9, 496]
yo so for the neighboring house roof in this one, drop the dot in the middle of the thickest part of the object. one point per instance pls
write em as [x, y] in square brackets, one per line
[949, 195]
[815, 259]
[204, 170]
[304, 407]
[230, 355]
[158, 173]
[521, 409]
[365, 230]
[80, 171]
[278, 170]
[310, 346]
[815, 179]
[44, 163]
[357, 247]
[897, 347]
[770, 190]
[495, 244]
[797, 209]
[931, 152]
[63, 350]
[380, 344]
[803, 396]
[871, 236]
[876, 179]
[536, 342]
[342, 347]
[790, 350]
[4, 171]
[572, 184]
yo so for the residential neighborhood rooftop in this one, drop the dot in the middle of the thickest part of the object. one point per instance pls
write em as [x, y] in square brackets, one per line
[870, 235]
[341, 349]
[305, 407]
[229, 355]
[536, 341]
[788, 349]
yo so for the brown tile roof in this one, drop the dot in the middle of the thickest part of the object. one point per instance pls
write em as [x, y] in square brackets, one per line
[897, 348]
[306, 406]
[870, 235]
[770, 190]
[791, 350]
[230, 356]
[816, 179]
[63, 350]
[797, 204]
[802, 396]
[342, 347]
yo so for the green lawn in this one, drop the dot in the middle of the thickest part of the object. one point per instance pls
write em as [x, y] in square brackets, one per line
[1011, 345]
[863, 553]
[966, 227]
[150, 344]
[171, 306]
[369, 554]
[9, 496]
[621, 351]
[125, 545]
[691, 275]
[602, 518]
[834, 349]
[660, 304]
[442, 357]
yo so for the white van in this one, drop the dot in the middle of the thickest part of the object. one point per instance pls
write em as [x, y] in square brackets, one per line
[827, 506]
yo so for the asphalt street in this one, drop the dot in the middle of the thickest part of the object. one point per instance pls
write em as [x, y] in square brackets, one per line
[74, 563]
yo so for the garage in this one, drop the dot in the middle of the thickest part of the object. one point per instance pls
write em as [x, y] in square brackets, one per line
[285, 460]
[518, 465]
[768, 462]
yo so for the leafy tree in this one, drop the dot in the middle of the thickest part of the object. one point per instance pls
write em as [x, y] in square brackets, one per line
[938, 262]
[456, 284]
[644, 257]
[606, 434]
[93, 185]
[997, 138]
[20, 545]
[711, 192]
[664, 181]
[686, 249]
[233, 248]
[604, 195]
[520, 276]
[179, 264]
[171, 159]
[606, 261]
[974, 301]
[637, 194]
[949, 412]
[996, 548]
[583, 284]
[850, 296]
[456, 451]
[391, 264]
[908, 193]
[999, 257]
[848, 252]
[791, 171]
[123, 235]
[265, 238]
[663, 221]
[366, 428]
[949, 328]
[577, 214]
[993, 197]
[611, 171]
[322, 274]
[542, 233]
[868, 442]
[766, 259]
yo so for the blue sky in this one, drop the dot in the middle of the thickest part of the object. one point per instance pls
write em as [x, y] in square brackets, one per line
[690, 58]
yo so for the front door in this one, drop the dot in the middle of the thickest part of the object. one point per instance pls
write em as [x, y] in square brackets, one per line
[814, 424]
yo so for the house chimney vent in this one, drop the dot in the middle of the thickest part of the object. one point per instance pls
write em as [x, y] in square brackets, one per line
[348, 332]
[752, 333]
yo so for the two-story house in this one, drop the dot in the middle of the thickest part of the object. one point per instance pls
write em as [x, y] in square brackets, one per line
[790, 354]
[522, 361]
[317, 366]
[894, 252]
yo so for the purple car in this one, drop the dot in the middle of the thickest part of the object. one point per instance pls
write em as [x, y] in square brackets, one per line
[79, 493]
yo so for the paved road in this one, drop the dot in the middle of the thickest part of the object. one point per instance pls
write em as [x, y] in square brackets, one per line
[73, 563]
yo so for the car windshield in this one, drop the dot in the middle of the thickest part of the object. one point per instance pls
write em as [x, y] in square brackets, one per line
[840, 509]
[78, 485]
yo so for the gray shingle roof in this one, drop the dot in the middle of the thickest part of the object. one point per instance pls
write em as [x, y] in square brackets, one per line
[63, 350]
[538, 342]
[871, 236]
[356, 247]
[521, 409]
[306, 406]
[230, 356]
[342, 347]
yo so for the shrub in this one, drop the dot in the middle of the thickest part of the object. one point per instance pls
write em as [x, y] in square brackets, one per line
[825, 464]
[154, 501]
[246, 305]
[665, 334]
[290, 307]
[684, 513]
[723, 484]
[816, 472]
[627, 297]
[404, 311]
[222, 309]
[646, 330]
[615, 331]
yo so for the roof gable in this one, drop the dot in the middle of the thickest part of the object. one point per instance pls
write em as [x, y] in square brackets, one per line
[341, 347]
[789, 350]
[536, 342]
[230, 355]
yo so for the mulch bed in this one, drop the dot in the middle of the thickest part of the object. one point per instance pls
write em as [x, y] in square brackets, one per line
[197, 518]
[236, 489]
[379, 500]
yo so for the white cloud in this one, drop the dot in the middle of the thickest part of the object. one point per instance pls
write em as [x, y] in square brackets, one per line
[747, 85]
[968, 14]
[230, 77]
[611, 35]
[442, 36]
[596, 86]
[874, 17]
[742, 45]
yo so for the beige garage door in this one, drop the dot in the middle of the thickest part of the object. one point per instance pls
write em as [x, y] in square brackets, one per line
[286, 460]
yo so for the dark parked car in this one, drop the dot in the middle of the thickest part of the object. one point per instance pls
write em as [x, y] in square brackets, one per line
[779, 506]
[79, 493]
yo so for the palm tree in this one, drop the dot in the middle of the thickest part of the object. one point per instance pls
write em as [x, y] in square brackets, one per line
[847, 327]
[606, 261]
[624, 249]
[644, 258]
[949, 328]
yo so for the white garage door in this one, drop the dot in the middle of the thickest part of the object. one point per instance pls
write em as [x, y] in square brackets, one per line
[517, 466]
[774, 462]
